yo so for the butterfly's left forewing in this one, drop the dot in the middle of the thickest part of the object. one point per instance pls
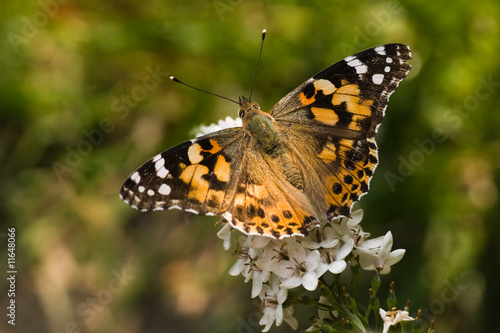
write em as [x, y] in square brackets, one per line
[196, 176]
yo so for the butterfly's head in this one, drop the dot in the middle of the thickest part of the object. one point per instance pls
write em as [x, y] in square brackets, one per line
[246, 107]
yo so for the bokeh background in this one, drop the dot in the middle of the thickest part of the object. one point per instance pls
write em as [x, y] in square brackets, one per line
[79, 112]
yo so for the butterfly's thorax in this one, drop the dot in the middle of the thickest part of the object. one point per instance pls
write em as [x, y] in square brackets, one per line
[261, 126]
[264, 129]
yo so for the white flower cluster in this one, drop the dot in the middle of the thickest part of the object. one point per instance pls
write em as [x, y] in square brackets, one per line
[275, 266]
[222, 124]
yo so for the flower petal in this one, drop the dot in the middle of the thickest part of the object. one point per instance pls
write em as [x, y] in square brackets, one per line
[237, 267]
[355, 218]
[337, 267]
[310, 281]
[225, 234]
[291, 282]
[385, 248]
[345, 250]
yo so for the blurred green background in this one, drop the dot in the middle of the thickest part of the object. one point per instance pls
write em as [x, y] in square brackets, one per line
[79, 114]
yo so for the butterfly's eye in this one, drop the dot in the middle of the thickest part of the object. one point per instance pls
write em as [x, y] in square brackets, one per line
[255, 106]
[241, 113]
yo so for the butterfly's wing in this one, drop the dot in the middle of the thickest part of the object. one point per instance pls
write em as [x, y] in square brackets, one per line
[265, 203]
[224, 174]
[337, 112]
[195, 176]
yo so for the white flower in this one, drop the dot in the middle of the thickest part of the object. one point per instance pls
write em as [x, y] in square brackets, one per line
[370, 245]
[273, 297]
[383, 260]
[299, 269]
[393, 317]
[225, 235]
[247, 257]
[333, 259]
[348, 227]
[274, 252]
[324, 237]
[222, 124]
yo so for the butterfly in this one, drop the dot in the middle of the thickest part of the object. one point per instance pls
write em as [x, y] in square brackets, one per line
[310, 157]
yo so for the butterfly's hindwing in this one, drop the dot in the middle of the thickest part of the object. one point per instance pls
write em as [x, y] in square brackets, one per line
[265, 203]
[351, 163]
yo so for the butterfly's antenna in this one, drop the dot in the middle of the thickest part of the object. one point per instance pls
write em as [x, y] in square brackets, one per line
[258, 63]
[204, 91]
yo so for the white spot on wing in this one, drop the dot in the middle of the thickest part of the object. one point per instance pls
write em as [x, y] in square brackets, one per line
[387, 69]
[388, 60]
[362, 69]
[156, 158]
[136, 177]
[189, 210]
[150, 193]
[354, 62]
[380, 50]
[164, 189]
[378, 78]
[162, 173]
[141, 188]
[159, 164]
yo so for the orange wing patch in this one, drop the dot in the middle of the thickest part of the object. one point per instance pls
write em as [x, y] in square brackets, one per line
[222, 169]
[305, 100]
[323, 85]
[329, 153]
[198, 187]
[360, 109]
[195, 150]
[356, 161]
[326, 116]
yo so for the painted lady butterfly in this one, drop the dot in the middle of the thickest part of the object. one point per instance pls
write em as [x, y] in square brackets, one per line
[310, 157]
